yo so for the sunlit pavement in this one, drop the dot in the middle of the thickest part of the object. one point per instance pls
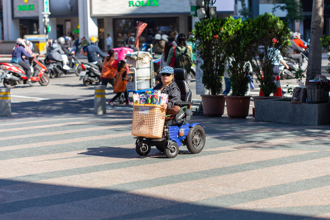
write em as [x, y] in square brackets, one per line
[60, 161]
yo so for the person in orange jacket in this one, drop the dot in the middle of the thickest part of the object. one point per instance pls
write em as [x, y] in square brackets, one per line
[121, 82]
[109, 69]
[296, 39]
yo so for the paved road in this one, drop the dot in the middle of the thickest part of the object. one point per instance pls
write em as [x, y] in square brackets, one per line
[81, 166]
[60, 161]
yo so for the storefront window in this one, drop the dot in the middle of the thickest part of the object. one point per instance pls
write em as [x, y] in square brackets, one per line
[125, 28]
[28, 26]
[100, 24]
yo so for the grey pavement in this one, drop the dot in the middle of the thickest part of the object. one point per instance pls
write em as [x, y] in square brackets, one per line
[60, 161]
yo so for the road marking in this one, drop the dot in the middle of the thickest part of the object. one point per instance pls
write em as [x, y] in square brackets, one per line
[59, 125]
[61, 142]
[238, 182]
[132, 174]
[65, 132]
[30, 97]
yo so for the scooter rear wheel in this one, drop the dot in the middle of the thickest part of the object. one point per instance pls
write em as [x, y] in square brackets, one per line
[8, 84]
[196, 139]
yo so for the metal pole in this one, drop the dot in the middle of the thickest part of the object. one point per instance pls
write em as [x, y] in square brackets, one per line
[99, 100]
[5, 103]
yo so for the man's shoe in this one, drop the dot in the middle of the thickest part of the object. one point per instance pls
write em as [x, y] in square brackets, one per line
[66, 67]
[30, 83]
[111, 103]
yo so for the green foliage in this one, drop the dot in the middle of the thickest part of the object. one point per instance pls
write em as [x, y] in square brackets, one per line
[263, 29]
[293, 9]
[221, 38]
[325, 41]
[238, 47]
[245, 11]
[209, 44]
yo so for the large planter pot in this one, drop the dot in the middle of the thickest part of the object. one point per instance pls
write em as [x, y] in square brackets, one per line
[279, 110]
[238, 106]
[257, 98]
[213, 105]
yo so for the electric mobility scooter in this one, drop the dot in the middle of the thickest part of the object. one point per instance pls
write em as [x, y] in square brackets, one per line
[177, 131]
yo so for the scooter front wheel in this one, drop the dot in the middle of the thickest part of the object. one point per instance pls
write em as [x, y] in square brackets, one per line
[44, 80]
[85, 80]
[172, 150]
[142, 147]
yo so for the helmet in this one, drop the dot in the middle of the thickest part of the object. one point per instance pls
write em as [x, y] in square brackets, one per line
[296, 35]
[158, 37]
[21, 42]
[66, 38]
[291, 35]
[93, 39]
[164, 37]
[61, 40]
[18, 40]
[131, 40]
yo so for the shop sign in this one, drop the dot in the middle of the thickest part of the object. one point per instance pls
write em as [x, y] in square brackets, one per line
[35, 37]
[143, 3]
[26, 8]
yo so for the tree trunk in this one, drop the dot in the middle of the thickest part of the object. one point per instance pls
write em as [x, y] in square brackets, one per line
[315, 52]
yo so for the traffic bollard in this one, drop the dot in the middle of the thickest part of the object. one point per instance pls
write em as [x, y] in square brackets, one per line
[5, 103]
[99, 100]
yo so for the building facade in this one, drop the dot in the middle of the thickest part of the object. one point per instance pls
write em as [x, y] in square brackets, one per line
[87, 18]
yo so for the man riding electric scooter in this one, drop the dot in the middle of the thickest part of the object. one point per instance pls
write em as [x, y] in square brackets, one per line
[92, 51]
[61, 42]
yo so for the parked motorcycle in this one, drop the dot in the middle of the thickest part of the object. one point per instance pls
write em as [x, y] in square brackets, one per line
[14, 74]
[90, 74]
[55, 67]
[293, 67]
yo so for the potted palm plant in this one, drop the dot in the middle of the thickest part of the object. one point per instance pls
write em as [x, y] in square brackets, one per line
[209, 46]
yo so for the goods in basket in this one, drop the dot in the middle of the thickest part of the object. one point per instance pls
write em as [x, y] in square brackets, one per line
[150, 98]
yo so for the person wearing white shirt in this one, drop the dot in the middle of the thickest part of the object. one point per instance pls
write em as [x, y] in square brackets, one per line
[109, 41]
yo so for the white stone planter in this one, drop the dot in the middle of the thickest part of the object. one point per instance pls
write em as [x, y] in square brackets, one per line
[275, 110]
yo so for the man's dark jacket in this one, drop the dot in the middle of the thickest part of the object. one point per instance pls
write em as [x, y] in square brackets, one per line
[173, 91]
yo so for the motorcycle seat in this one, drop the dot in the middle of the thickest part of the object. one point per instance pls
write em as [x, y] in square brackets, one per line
[17, 65]
[93, 65]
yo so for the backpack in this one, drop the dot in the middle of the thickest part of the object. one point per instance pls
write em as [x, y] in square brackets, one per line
[183, 61]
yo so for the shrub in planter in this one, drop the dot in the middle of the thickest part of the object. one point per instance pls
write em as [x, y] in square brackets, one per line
[209, 34]
[210, 46]
[263, 29]
[238, 47]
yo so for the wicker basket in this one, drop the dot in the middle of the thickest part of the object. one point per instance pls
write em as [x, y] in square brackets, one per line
[148, 121]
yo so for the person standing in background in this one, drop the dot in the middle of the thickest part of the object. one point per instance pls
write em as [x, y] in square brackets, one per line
[109, 41]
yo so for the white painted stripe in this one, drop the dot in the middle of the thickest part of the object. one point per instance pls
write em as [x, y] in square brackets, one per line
[30, 97]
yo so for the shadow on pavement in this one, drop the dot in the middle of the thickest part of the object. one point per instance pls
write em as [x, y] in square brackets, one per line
[45, 201]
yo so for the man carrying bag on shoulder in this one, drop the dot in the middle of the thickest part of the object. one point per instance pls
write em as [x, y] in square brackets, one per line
[181, 54]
